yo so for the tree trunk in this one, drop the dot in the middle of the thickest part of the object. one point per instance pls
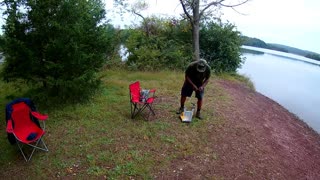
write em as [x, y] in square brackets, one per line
[195, 42]
[194, 18]
[195, 31]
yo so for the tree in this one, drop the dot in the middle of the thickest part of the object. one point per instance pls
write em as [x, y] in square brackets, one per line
[135, 8]
[154, 42]
[248, 41]
[220, 46]
[194, 11]
[164, 47]
[1, 42]
[61, 43]
[313, 56]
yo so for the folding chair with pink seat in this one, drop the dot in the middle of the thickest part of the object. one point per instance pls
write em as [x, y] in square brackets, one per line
[141, 99]
[23, 126]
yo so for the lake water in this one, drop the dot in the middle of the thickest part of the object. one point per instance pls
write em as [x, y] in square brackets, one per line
[290, 80]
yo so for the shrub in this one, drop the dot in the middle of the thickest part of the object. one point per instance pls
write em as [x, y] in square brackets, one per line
[220, 46]
[61, 44]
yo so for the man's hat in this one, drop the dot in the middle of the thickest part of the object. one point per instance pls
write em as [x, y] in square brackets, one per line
[201, 65]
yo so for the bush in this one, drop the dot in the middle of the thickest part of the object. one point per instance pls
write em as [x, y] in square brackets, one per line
[163, 46]
[220, 46]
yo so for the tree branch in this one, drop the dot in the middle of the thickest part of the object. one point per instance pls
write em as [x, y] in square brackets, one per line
[138, 14]
[186, 12]
[145, 23]
[214, 3]
[239, 12]
[220, 2]
[235, 5]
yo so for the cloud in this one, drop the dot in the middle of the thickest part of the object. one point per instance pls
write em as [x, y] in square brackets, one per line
[290, 22]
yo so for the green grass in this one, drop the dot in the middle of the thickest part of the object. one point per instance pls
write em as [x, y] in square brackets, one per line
[239, 78]
[97, 139]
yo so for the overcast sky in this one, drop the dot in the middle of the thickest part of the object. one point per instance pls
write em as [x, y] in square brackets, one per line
[289, 22]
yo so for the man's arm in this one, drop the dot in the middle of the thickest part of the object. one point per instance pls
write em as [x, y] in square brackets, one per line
[204, 84]
[193, 85]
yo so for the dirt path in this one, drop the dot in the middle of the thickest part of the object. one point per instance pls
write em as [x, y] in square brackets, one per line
[259, 139]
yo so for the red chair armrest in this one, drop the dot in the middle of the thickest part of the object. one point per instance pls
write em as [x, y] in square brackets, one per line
[152, 90]
[39, 116]
[9, 128]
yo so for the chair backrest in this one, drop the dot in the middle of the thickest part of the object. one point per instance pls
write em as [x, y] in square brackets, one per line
[135, 91]
[21, 116]
[9, 108]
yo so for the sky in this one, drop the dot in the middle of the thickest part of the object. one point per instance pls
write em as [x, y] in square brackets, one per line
[288, 22]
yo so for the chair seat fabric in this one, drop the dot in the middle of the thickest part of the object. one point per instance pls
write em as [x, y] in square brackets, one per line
[25, 134]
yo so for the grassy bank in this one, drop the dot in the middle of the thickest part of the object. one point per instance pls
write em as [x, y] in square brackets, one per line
[98, 138]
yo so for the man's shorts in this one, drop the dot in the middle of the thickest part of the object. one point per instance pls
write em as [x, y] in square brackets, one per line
[187, 90]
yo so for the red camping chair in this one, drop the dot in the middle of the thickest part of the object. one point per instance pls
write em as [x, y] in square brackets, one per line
[138, 102]
[24, 125]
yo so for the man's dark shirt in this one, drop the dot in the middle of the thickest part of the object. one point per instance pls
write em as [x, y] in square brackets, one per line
[197, 77]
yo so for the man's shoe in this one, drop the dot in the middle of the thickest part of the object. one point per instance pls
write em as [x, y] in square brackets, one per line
[180, 110]
[198, 115]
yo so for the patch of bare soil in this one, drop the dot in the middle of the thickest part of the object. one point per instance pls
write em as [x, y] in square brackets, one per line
[259, 139]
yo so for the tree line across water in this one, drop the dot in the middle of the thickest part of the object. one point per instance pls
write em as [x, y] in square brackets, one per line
[255, 42]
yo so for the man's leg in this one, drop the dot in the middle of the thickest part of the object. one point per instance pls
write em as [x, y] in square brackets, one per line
[199, 95]
[182, 101]
[186, 91]
[199, 105]
[198, 113]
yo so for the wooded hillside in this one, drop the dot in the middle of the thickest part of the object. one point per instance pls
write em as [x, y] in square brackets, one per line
[255, 42]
